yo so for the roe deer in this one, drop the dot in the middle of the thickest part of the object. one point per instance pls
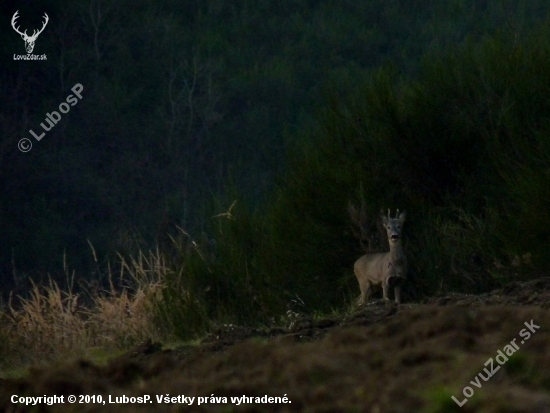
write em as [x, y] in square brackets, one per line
[384, 268]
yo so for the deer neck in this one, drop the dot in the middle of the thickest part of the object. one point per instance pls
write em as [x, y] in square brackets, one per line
[396, 251]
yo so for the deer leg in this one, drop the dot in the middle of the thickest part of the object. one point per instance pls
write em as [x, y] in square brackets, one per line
[361, 298]
[385, 290]
[397, 291]
[365, 290]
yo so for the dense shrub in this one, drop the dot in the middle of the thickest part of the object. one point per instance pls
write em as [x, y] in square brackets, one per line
[463, 147]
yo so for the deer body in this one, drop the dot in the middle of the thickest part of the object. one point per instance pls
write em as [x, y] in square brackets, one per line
[386, 269]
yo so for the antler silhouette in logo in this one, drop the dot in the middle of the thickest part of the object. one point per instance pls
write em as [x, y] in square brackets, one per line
[29, 40]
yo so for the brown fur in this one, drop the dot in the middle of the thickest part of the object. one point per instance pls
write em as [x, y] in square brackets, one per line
[384, 268]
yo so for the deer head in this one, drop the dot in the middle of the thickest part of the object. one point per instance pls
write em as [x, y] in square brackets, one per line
[29, 40]
[394, 226]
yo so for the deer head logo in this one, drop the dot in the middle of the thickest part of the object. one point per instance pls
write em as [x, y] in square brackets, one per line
[29, 40]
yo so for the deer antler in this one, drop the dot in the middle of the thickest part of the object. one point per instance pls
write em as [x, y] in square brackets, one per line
[43, 25]
[13, 19]
[29, 40]
[35, 33]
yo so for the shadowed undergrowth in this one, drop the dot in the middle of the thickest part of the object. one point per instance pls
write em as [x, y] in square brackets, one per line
[462, 146]
[52, 324]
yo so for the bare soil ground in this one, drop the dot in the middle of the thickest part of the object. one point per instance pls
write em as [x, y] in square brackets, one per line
[383, 358]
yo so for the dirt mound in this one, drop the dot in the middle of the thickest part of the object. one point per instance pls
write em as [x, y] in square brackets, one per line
[491, 352]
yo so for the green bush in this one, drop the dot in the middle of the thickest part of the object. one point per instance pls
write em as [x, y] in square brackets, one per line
[463, 147]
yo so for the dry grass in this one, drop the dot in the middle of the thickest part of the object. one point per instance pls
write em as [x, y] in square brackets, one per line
[51, 324]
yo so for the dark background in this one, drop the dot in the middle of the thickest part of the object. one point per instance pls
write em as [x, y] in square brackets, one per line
[183, 101]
